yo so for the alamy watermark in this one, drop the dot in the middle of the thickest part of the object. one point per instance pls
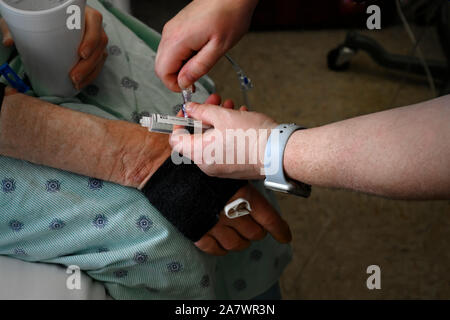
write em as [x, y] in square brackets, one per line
[374, 280]
[234, 147]
[73, 21]
[73, 281]
[374, 20]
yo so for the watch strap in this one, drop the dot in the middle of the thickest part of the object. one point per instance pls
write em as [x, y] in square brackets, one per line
[273, 162]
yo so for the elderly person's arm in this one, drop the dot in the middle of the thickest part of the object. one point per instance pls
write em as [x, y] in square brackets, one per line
[46, 134]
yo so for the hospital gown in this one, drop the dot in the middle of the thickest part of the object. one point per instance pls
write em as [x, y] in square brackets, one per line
[112, 232]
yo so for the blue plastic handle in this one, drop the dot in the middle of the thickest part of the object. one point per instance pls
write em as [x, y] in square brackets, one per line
[13, 79]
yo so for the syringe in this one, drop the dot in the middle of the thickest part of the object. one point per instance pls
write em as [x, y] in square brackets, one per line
[187, 97]
[164, 123]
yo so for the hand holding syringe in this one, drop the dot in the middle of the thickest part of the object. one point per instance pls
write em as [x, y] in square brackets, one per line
[164, 123]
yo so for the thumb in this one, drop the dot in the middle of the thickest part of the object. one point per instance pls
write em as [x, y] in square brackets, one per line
[199, 65]
[207, 113]
[7, 37]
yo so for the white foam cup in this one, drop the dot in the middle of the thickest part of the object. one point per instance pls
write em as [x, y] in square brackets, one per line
[47, 36]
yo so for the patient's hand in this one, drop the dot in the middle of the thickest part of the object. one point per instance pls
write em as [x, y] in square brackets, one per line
[92, 50]
[237, 234]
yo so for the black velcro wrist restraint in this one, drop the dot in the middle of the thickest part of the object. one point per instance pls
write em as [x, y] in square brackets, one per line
[188, 198]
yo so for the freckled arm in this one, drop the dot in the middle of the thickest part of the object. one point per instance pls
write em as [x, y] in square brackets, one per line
[46, 134]
[399, 153]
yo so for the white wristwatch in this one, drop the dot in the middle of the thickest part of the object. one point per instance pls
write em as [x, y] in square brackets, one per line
[273, 163]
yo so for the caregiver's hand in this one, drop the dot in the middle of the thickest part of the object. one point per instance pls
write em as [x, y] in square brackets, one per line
[91, 51]
[198, 147]
[197, 37]
[237, 234]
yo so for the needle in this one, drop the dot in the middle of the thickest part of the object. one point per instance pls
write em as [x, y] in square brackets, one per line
[187, 97]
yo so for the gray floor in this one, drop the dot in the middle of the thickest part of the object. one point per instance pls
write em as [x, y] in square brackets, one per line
[337, 234]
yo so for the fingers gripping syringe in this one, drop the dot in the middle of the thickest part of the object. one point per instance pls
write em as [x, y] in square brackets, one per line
[164, 123]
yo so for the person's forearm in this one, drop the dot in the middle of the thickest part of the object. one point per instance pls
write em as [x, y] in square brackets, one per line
[399, 153]
[116, 151]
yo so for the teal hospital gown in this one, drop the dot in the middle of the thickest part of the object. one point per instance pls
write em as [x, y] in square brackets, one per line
[112, 232]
